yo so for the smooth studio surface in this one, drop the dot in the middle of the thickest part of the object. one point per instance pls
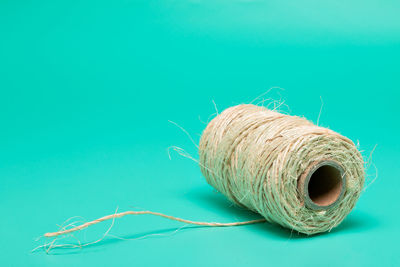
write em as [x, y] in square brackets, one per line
[86, 92]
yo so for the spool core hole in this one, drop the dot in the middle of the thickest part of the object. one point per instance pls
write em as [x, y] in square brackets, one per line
[325, 185]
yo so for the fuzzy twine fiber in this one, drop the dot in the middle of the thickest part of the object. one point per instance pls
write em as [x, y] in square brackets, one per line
[255, 156]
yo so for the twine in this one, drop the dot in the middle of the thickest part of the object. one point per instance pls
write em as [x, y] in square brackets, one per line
[264, 161]
[121, 214]
[256, 157]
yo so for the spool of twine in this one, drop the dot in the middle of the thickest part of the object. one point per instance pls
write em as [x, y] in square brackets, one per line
[292, 172]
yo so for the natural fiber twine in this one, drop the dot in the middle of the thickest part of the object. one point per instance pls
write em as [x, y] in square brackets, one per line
[292, 172]
[256, 157]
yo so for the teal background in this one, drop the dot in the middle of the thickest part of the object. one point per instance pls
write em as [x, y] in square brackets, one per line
[87, 89]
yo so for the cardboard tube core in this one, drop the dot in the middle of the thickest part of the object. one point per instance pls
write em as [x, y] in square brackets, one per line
[322, 185]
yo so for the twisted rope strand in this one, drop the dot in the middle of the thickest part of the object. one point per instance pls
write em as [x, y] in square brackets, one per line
[121, 214]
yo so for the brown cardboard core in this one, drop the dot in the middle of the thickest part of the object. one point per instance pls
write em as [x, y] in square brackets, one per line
[322, 184]
[325, 185]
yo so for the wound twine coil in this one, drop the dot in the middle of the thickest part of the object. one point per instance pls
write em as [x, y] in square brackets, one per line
[292, 172]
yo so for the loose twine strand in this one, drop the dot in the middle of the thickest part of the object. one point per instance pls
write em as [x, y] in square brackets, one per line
[121, 214]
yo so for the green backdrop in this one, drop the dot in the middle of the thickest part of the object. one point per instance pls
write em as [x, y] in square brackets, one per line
[87, 89]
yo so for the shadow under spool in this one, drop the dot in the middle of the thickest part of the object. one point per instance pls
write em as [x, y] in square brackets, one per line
[322, 185]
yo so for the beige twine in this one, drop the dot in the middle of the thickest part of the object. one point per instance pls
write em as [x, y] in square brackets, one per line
[121, 214]
[256, 157]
